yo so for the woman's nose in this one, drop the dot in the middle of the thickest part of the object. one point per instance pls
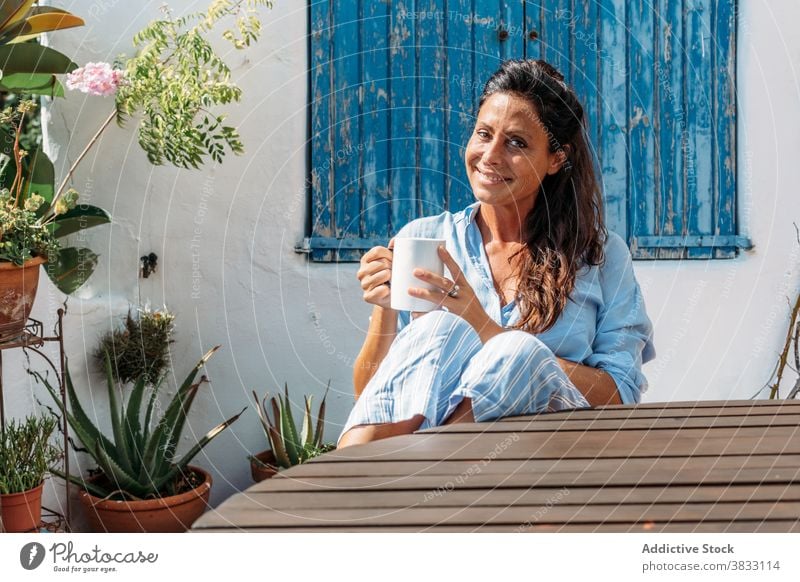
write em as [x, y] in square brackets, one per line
[493, 152]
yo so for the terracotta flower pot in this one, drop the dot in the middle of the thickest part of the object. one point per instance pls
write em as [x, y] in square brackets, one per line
[263, 466]
[22, 512]
[173, 514]
[17, 292]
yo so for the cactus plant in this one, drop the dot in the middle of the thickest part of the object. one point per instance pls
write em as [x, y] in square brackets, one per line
[140, 460]
[290, 447]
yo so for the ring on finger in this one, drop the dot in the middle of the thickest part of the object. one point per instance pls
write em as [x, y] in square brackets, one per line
[453, 291]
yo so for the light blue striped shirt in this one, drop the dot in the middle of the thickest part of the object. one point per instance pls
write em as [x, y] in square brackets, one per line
[604, 325]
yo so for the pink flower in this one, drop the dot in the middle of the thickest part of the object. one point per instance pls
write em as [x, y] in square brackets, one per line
[95, 79]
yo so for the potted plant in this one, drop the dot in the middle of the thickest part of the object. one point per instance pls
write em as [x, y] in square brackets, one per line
[171, 86]
[142, 484]
[288, 447]
[33, 220]
[33, 217]
[26, 455]
[141, 347]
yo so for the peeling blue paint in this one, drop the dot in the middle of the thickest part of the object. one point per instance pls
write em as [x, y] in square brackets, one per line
[394, 97]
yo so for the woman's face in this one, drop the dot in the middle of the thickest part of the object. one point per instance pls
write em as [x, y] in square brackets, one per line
[509, 155]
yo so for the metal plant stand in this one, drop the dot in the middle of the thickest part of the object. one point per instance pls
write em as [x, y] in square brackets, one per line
[33, 338]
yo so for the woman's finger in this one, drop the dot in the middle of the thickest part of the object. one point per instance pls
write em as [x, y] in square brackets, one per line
[442, 283]
[451, 265]
[436, 297]
[380, 278]
[373, 267]
[376, 253]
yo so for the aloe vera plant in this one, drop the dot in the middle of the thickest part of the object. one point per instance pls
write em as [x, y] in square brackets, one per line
[290, 447]
[140, 460]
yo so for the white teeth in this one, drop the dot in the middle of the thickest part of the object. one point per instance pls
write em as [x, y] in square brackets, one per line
[491, 179]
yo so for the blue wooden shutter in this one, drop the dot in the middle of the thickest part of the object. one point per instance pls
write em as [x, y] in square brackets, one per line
[658, 82]
[394, 88]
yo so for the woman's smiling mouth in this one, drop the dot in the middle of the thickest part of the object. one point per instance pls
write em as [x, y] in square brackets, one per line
[490, 178]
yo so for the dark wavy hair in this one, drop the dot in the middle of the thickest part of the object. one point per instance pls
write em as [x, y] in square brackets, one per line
[564, 231]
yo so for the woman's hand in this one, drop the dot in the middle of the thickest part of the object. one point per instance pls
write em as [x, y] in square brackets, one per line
[375, 273]
[456, 295]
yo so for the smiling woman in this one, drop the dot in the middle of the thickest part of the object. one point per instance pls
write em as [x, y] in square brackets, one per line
[540, 310]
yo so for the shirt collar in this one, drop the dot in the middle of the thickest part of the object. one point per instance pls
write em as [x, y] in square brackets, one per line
[470, 212]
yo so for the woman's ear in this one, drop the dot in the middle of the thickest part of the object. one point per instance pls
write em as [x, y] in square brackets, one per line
[559, 159]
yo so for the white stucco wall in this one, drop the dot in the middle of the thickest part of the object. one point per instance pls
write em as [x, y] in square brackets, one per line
[225, 237]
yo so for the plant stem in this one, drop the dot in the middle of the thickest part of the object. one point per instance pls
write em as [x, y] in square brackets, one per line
[785, 353]
[17, 184]
[82, 155]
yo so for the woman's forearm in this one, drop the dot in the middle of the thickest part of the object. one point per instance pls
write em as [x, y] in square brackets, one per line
[380, 335]
[596, 385]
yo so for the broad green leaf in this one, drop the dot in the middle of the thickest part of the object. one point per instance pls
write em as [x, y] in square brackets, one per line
[40, 177]
[33, 84]
[72, 269]
[81, 217]
[34, 58]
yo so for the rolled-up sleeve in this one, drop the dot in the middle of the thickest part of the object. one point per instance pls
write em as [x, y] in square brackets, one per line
[624, 333]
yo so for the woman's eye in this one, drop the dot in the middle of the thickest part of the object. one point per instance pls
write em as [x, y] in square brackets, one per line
[482, 133]
[518, 143]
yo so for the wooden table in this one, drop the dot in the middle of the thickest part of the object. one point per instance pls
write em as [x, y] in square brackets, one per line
[725, 466]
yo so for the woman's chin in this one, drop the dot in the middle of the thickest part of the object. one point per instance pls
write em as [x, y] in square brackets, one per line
[491, 195]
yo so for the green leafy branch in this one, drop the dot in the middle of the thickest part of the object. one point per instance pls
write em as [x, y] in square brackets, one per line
[177, 79]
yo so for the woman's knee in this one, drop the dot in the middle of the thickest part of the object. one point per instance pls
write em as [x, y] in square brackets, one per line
[444, 330]
[439, 322]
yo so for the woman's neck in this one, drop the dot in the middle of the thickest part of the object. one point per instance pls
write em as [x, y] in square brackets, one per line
[501, 224]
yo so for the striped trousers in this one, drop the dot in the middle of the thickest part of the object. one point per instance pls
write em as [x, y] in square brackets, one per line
[438, 360]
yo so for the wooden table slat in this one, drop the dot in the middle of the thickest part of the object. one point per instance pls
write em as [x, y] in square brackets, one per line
[557, 514]
[328, 499]
[532, 466]
[549, 479]
[654, 412]
[600, 443]
[744, 526]
[706, 404]
[536, 425]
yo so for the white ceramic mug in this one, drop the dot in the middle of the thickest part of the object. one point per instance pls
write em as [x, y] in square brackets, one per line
[409, 254]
